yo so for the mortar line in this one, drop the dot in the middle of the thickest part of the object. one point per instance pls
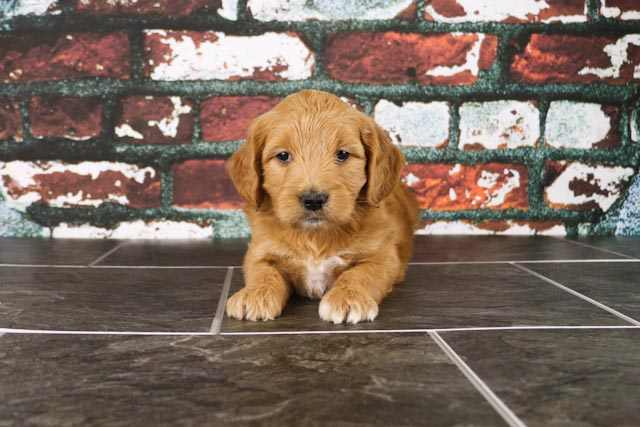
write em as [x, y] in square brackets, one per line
[586, 245]
[579, 295]
[501, 408]
[216, 324]
[109, 252]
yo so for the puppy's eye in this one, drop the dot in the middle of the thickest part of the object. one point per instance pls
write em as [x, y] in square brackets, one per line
[284, 157]
[342, 155]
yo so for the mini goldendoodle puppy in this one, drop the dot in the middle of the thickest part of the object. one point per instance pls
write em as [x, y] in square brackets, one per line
[329, 216]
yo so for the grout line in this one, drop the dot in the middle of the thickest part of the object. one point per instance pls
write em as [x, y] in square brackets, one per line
[555, 261]
[167, 266]
[109, 252]
[497, 404]
[546, 261]
[326, 332]
[586, 245]
[129, 333]
[579, 295]
[44, 266]
[217, 319]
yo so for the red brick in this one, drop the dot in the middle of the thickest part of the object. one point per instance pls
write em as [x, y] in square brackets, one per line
[63, 184]
[458, 187]
[227, 118]
[72, 118]
[620, 9]
[140, 7]
[72, 56]
[392, 57]
[154, 120]
[10, 121]
[204, 184]
[562, 58]
[453, 11]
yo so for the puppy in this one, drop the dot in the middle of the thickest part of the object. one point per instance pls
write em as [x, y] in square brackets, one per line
[329, 216]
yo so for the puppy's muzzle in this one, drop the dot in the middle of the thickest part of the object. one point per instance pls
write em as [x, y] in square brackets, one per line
[313, 200]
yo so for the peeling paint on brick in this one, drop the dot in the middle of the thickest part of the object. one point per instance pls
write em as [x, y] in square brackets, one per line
[563, 58]
[456, 11]
[507, 227]
[188, 55]
[390, 57]
[61, 184]
[581, 125]
[579, 186]
[16, 224]
[486, 186]
[498, 124]
[321, 10]
[415, 123]
[161, 7]
[157, 120]
[626, 10]
[11, 9]
[160, 229]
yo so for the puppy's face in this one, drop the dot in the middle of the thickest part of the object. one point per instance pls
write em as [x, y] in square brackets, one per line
[314, 168]
[313, 159]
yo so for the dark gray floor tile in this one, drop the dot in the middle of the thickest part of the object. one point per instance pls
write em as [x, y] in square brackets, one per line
[450, 296]
[616, 285]
[629, 246]
[113, 299]
[179, 253]
[337, 380]
[53, 252]
[559, 378]
[500, 248]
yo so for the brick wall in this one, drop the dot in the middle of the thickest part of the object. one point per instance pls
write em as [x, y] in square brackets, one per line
[117, 118]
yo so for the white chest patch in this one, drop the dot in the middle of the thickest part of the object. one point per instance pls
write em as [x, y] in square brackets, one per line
[320, 275]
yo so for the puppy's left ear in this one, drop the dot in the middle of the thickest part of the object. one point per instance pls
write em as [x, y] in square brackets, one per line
[384, 161]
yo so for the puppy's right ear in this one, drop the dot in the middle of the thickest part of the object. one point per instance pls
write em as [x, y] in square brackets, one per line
[246, 164]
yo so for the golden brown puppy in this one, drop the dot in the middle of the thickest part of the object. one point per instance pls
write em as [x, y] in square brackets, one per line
[329, 216]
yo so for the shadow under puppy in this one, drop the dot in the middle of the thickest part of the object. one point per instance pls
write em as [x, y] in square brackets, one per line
[329, 216]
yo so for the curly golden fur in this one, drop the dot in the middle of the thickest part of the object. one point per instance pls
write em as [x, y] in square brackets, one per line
[329, 216]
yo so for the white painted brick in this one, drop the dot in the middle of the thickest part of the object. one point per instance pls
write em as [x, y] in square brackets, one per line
[615, 12]
[303, 10]
[565, 193]
[28, 7]
[225, 57]
[576, 124]
[511, 228]
[500, 10]
[498, 124]
[415, 123]
[136, 230]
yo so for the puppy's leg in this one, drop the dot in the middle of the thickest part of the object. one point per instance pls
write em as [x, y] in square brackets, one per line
[264, 296]
[357, 292]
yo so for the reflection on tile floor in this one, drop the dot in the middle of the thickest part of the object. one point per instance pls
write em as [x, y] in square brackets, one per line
[111, 333]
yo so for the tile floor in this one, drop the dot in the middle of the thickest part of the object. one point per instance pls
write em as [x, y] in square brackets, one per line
[485, 331]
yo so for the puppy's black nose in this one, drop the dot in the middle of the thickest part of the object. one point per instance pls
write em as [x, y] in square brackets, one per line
[313, 200]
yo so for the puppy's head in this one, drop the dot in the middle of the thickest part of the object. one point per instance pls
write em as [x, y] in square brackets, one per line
[313, 159]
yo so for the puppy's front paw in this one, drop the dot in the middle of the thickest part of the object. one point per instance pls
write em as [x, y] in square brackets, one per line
[256, 303]
[353, 306]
